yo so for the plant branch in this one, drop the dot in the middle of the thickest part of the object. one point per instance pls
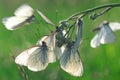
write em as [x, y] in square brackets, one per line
[94, 16]
[93, 9]
[24, 74]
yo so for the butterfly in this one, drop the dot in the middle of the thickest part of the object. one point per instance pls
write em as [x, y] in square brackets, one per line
[70, 60]
[39, 56]
[105, 35]
[22, 15]
[50, 41]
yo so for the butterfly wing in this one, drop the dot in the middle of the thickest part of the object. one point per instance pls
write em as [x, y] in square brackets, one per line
[51, 56]
[95, 42]
[22, 58]
[51, 46]
[38, 60]
[71, 63]
[108, 35]
[13, 22]
[24, 11]
[114, 26]
[78, 33]
[50, 42]
[59, 51]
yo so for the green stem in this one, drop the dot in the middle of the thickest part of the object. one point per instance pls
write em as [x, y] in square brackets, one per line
[94, 9]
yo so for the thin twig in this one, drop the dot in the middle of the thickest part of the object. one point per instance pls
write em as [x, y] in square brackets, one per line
[106, 10]
[93, 17]
[70, 29]
[93, 9]
[23, 73]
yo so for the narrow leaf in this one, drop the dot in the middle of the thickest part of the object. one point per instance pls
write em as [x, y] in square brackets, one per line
[45, 18]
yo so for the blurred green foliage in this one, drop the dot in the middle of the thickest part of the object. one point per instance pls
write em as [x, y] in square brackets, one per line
[102, 63]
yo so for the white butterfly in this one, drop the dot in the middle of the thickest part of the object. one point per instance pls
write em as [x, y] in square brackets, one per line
[23, 15]
[78, 33]
[50, 42]
[38, 57]
[105, 35]
[34, 58]
[60, 42]
[70, 60]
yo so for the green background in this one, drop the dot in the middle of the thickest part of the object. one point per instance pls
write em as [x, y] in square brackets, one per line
[102, 63]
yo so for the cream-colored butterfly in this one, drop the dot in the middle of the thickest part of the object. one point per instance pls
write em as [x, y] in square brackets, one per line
[105, 35]
[23, 15]
[70, 60]
[38, 57]
[50, 42]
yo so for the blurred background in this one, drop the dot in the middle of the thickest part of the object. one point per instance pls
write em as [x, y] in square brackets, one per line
[102, 63]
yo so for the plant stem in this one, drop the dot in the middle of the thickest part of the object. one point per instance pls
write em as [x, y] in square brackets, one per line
[94, 9]
[24, 74]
